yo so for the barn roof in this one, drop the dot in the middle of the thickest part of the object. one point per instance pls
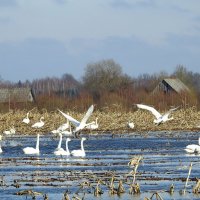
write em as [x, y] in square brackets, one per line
[16, 94]
[176, 84]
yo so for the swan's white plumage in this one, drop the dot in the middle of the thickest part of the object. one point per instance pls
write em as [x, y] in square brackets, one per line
[26, 120]
[63, 127]
[193, 148]
[79, 152]
[38, 124]
[67, 132]
[0, 144]
[159, 118]
[79, 125]
[60, 151]
[31, 150]
[130, 125]
[10, 132]
[94, 125]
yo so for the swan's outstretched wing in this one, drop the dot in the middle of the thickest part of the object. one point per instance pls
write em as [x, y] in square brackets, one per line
[87, 115]
[170, 111]
[71, 119]
[151, 109]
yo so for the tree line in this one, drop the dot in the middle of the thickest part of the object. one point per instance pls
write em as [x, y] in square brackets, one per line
[105, 85]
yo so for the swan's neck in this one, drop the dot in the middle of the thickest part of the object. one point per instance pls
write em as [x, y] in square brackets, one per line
[96, 120]
[60, 141]
[82, 148]
[67, 149]
[37, 143]
[70, 128]
[27, 115]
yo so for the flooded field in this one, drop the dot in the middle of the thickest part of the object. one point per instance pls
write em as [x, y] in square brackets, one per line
[164, 163]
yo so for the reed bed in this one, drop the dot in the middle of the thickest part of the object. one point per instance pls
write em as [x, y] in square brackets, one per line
[114, 121]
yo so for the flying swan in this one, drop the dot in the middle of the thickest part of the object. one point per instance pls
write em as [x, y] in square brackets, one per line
[159, 118]
[31, 150]
[79, 125]
[193, 148]
[80, 152]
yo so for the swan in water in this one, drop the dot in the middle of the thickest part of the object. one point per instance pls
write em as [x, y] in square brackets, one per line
[38, 124]
[10, 132]
[159, 118]
[80, 152]
[59, 150]
[31, 150]
[59, 143]
[193, 148]
[130, 125]
[79, 125]
[26, 120]
[0, 144]
[93, 126]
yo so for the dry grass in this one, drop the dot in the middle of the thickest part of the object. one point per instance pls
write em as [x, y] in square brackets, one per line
[109, 120]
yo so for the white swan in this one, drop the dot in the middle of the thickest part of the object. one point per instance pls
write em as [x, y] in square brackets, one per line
[130, 125]
[93, 126]
[38, 124]
[31, 150]
[26, 120]
[10, 132]
[0, 144]
[63, 126]
[61, 151]
[67, 132]
[159, 118]
[59, 143]
[193, 148]
[79, 125]
[80, 152]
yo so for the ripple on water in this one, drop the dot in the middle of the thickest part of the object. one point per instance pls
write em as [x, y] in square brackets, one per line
[164, 162]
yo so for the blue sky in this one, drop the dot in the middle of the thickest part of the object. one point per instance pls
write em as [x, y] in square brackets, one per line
[40, 38]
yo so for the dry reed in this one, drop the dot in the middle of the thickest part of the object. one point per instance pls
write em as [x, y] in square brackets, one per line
[115, 121]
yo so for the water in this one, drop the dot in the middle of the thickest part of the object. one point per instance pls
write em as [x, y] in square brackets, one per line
[164, 163]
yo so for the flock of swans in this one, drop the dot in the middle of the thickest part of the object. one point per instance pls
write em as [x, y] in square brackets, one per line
[80, 125]
[59, 151]
[61, 130]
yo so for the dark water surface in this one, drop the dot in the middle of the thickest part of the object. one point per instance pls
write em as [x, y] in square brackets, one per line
[164, 163]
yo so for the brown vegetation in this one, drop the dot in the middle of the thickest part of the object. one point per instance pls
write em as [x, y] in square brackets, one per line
[112, 119]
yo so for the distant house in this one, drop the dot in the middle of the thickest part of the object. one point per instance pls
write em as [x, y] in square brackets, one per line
[171, 85]
[18, 95]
